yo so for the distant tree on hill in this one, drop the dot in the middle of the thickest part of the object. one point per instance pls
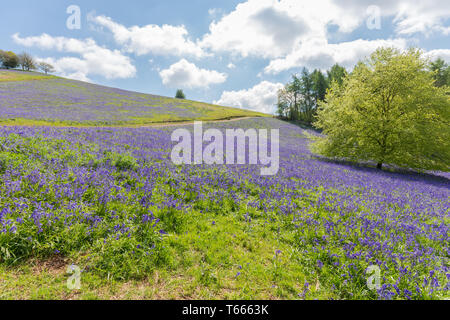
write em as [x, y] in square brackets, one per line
[441, 72]
[8, 59]
[46, 67]
[27, 62]
[180, 94]
[387, 111]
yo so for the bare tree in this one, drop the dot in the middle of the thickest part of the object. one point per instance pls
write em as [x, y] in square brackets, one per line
[287, 102]
[27, 62]
[46, 67]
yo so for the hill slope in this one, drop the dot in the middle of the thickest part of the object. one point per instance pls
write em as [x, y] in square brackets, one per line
[33, 98]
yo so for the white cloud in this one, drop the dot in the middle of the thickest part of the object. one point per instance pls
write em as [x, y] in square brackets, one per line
[262, 97]
[322, 55]
[262, 28]
[94, 60]
[231, 66]
[422, 17]
[285, 30]
[69, 67]
[273, 28]
[439, 53]
[184, 74]
[409, 16]
[159, 40]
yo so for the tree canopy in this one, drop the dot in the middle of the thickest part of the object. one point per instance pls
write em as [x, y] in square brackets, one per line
[337, 73]
[389, 111]
[8, 59]
[441, 72]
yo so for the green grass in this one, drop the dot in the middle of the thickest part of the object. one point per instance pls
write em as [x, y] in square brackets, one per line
[219, 255]
[204, 263]
[137, 122]
[6, 76]
[212, 250]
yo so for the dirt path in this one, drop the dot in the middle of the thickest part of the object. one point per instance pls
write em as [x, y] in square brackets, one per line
[131, 126]
[183, 123]
[163, 124]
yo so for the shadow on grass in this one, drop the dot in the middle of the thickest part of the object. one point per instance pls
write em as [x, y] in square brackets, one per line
[301, 124]
[433, 178]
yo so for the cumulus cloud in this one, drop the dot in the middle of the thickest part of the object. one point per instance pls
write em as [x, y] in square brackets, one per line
[439, 53]
[69, 67]
[257, 28]
[93, 60]
[409, 16]
[322, 55]
[289, 33]
[159, 40]
[187, 75]
[262, 97]
[285, 30]
[422, 17]
[273, 28]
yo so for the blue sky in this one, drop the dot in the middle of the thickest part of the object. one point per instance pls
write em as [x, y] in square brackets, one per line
[236, 53]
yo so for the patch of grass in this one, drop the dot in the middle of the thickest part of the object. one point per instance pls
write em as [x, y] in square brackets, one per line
[139, 228]
[212, 259]
[6, 76]
[132, 122]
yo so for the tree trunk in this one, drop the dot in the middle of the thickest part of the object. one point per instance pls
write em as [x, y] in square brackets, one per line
[380, 165]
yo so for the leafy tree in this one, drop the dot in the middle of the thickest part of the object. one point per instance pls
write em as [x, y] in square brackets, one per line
[441, 71]
[320, 85]
[293, 92]
[307, 92]
[46, 67]
[27, 62]
[8, 59]
[298, 99]
[336, 73]
[180, 94]
[388, 111]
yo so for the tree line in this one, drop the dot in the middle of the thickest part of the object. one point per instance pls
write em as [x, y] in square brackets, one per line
[300, 98]
[24, 61]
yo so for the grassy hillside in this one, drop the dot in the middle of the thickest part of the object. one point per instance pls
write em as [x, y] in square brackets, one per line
[29, 98]
[139, 227]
